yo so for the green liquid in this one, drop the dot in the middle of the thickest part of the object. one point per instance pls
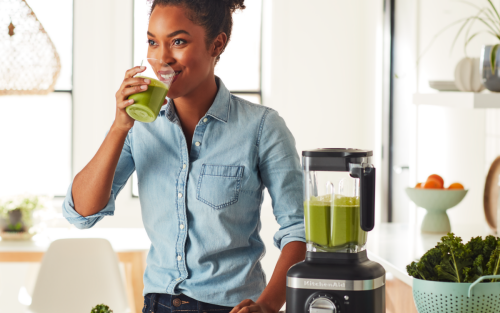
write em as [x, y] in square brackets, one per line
[147, 104]
[317, 216]
[337, 228]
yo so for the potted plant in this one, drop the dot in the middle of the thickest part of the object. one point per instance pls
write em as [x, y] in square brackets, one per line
[489, 63]
[101, 308]
[489, 17]
[16, 217]
[458, 277]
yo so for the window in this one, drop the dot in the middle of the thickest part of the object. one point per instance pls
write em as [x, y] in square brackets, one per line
[239, 66]
[36, 131]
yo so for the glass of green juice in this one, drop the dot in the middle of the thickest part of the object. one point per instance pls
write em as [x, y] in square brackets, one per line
[147, 104]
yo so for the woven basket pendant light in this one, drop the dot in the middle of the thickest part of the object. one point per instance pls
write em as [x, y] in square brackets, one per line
[29, 63]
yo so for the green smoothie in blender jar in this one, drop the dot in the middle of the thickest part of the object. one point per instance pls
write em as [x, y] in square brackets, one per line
[345, 229]
[317, 219]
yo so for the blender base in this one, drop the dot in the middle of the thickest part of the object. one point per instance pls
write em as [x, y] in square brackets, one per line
[336, 283]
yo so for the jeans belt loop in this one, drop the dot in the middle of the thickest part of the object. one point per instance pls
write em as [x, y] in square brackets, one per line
[152, 303]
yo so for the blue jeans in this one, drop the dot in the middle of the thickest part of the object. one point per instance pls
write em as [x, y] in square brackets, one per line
[165, 303]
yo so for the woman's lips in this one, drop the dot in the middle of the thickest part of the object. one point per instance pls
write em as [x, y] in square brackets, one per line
[168, 76]
[176, 75]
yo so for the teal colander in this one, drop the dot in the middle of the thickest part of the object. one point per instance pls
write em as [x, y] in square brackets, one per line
[443, 297]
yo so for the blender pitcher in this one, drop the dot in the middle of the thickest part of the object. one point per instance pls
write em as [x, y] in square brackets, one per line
[339, 199]
[336, 275]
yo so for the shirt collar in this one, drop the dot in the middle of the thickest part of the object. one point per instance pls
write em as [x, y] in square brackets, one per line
[218, 110]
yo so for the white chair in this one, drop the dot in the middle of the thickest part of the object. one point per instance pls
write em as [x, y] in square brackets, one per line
[77, 274]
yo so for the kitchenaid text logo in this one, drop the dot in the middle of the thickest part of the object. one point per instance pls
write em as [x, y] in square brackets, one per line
[324, 284]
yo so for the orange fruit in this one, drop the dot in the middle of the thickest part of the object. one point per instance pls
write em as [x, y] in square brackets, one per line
[456, 186]
[419, 185]
[433, 184]
[438, 178]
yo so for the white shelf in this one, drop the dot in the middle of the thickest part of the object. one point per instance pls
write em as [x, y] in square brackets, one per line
[466, 100]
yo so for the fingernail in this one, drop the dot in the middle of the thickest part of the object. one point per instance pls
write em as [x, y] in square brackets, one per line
[131, 101]
[144, 87]
[142, 67]
[147, 81]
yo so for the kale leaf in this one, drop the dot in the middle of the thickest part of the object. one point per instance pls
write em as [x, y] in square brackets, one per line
[426, 267]
[471, 274]
[456, 256]
[493, 265]
[101, 308]
[490, 244]
[453, 261]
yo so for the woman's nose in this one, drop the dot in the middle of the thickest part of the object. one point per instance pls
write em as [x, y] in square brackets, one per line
[166, 56]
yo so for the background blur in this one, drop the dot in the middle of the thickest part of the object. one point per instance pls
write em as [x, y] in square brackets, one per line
[321, 64]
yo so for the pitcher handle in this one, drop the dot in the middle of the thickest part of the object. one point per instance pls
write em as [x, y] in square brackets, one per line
[480, 279]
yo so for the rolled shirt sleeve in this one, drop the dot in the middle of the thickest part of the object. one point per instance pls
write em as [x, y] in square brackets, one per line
[124, 169]
[279, 166]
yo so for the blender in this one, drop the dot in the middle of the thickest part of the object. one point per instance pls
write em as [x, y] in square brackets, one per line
[339, 209]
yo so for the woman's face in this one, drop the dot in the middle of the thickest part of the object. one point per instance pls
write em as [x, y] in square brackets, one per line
[174, 39]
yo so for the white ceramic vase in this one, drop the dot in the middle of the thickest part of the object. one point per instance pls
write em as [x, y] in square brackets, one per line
[468, 75]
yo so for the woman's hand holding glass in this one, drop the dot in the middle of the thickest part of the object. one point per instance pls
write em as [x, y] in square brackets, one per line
[130, 85]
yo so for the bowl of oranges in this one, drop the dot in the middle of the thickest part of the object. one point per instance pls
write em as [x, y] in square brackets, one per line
[433, 196]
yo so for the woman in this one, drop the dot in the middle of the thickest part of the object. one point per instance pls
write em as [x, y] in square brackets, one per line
[202, 166]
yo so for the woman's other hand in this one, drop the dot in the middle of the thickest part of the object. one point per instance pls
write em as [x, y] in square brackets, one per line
[129, 86]
[248, 306]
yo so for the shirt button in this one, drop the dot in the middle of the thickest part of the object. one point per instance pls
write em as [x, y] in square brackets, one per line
[182, 226]
[179, 195]
[178, 279]
[183, 166]
[205, 120]
[197, 143]
[179, 258]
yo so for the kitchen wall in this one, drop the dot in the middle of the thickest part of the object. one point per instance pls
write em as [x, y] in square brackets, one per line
[322, 73]
[451, 142]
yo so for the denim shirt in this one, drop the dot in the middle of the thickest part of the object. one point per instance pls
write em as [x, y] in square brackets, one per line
[201, 210]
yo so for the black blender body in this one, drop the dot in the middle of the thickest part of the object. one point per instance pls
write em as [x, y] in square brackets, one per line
[337, 276]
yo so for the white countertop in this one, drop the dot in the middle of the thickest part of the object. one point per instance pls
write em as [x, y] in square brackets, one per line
[396, 245]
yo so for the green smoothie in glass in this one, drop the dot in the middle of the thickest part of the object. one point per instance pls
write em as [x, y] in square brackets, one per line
[147, 104]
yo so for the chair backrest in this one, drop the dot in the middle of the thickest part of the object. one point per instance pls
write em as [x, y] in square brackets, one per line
[77, 274]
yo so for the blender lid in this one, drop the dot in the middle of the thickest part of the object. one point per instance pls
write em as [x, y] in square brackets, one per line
[338, 153]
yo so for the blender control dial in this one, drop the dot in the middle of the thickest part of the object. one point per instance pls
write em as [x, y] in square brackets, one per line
[322, 303]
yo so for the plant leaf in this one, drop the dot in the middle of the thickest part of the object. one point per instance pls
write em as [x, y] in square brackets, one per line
[495, 9]
[459, 32]
[413, 270]
[446, 272]
[493, 265]
[493, 58]
[489, 245]
[437, 36]
[474, 35]
[456, 256]
[475, 271]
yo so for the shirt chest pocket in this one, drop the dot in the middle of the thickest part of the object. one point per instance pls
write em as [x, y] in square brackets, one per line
[219, 185]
